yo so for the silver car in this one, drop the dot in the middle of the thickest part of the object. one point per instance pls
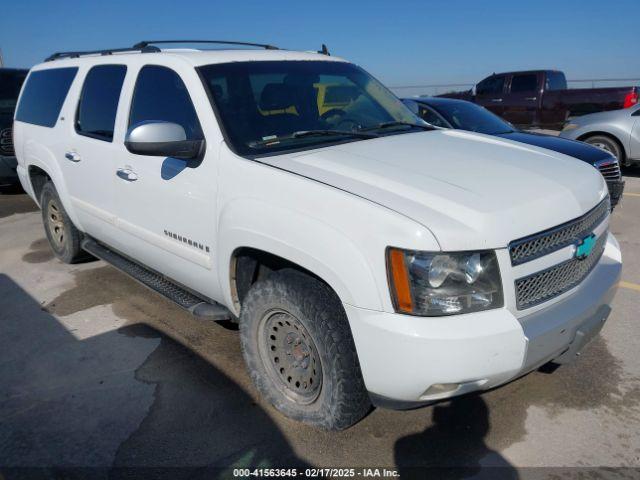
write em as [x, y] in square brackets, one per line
[617, 131]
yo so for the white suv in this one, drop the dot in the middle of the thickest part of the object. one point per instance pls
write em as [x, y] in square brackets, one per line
[368, 257]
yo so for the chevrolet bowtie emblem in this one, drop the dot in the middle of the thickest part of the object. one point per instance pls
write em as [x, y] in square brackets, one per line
[585, 246]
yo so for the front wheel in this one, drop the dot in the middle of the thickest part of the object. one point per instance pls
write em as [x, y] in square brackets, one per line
[608, 145]
[298, 347]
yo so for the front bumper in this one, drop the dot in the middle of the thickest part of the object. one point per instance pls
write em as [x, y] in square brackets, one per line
[8, 174]
[616, 189]
[407, 361]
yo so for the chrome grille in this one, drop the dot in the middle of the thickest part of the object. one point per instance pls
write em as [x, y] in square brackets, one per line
[550, 283]
[6, 142]
[610, 169]
[543, 243]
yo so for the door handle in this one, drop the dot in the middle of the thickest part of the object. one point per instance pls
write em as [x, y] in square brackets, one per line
[531, 98]
[127, 174]
[73, 156]
[496, 100]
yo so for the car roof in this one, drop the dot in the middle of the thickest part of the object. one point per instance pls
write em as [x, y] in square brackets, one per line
[523, 72]
[439, 101]
[194, 57]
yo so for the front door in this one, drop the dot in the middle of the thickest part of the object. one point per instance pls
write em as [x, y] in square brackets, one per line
[634, 145]
[490, 93]
[166, 206]
[522, 99]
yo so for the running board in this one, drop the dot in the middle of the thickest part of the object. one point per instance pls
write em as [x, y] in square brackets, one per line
[158, 283]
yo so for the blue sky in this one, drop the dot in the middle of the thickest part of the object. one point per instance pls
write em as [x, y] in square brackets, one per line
[402, 42]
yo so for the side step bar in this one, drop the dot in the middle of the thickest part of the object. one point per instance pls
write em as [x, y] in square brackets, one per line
[158, 283]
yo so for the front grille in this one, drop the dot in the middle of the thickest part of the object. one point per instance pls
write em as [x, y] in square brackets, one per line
[548, 241]
[610, 169]
[550, 283]
[6, 142]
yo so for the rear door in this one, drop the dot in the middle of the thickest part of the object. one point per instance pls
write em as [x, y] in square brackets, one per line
[490, 93]
[90, 151]
[523, 98]
[166, 206]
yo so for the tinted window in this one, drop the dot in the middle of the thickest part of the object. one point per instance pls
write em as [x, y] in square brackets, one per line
[44, 95]
[161, 95]
[474, 118]
[10, 83]
[556, 81]
[524, 83]
[491, 85]
[99, 101]
[431, 117]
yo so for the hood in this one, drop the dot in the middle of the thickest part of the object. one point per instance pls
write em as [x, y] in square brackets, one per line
[580, 150]
[472, 191]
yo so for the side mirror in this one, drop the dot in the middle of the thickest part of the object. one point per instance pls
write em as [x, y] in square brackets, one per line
[162, 139]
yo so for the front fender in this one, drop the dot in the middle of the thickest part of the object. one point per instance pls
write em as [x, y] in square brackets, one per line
[299, 238]
[619, 134]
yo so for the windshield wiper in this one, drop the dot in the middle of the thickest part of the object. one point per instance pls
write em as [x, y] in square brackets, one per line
[351, 133]
[384, 125]
[313, 133]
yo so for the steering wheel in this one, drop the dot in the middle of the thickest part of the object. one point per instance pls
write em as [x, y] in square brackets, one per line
[334, 112]
[343, 120]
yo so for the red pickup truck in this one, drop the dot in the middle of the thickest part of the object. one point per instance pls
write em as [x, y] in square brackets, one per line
[540, 98]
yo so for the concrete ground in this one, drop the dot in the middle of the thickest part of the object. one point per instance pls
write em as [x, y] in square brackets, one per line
[97, 371]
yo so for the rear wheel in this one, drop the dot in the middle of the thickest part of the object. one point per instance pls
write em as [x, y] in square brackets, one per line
[607, 144]
[64, 238]
[299, 351]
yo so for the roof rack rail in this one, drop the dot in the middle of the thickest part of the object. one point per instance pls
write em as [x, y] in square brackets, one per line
[148, 43]
[149, 46]
[110, 51]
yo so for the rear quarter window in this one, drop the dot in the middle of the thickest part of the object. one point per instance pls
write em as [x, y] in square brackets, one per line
[43, 96]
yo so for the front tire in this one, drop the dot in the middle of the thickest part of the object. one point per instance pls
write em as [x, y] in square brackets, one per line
[299, 351]
[607, 144]
[64, 238]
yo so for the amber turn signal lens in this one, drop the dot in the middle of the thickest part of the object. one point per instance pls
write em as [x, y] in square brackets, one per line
[400, 279]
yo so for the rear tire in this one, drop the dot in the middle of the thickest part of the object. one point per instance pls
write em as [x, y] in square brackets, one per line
[299, 351]
[607, 144]
[64, 238]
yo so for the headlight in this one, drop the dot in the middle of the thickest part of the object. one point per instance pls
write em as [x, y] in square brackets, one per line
[570, 126]
[437, 283]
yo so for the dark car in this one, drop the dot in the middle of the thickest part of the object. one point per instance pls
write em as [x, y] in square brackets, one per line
[463, 115]
[540, 98]
[10, 83]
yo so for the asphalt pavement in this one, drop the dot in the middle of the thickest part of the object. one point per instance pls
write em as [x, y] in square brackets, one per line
[98, 372]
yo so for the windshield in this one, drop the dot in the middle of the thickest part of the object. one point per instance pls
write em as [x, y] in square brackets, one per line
[276, 106]
[10, 83]
[474, 118]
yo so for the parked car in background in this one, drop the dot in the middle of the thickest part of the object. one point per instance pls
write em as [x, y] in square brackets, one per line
[540, 98]
[368, 257]
[617, 132]
[463, 115]
[10, 83]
